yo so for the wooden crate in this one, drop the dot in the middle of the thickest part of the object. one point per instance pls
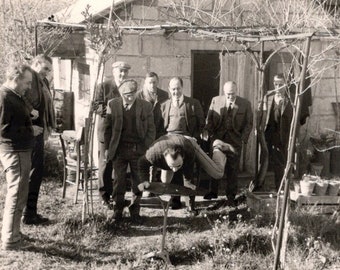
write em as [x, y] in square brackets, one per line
[321, 204]
[263, 203]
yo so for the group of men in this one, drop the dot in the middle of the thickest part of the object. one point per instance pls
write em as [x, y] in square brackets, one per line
[26, 119]
[145, 130]
[151, 129]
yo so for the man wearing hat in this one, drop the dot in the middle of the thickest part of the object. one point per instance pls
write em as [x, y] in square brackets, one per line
[106, 91]
[279, 113]
[128, 132]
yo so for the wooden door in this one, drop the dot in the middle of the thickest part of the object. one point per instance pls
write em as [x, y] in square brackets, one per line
[240, 68]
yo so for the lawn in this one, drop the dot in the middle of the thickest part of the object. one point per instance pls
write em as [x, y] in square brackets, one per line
[225, 239]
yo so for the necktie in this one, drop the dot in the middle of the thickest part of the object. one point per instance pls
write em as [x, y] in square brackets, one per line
[126, 107]
[229, 108]
[177, 103]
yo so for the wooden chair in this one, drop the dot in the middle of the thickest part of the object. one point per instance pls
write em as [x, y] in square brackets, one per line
[71, 144]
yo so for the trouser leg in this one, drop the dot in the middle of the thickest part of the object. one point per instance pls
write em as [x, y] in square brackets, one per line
[119, 183]
[105, 172]
[17, 167]
[36, 176]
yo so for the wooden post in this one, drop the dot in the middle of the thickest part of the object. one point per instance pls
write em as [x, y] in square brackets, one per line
[290, 156]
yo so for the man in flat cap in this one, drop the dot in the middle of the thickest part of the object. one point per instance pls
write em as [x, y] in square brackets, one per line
[106, 91]
[129, 131]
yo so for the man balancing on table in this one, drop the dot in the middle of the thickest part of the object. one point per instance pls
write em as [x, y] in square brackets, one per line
[172, 153]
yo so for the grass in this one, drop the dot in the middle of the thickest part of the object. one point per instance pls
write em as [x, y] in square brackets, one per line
[225, 239]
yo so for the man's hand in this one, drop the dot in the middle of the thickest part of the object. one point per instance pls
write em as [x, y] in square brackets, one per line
[143, 186]
[34, 114]
[37, 130]
[205, 135]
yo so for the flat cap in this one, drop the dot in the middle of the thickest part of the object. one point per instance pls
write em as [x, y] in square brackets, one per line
[128, 86]
[121, 64]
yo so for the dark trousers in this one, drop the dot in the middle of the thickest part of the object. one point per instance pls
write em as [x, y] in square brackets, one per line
[277, 158]
[36, 176]
[230, 176]
[105, 172]
[127, 154]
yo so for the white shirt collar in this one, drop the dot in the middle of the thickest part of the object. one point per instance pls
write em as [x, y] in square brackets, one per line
[180, 100]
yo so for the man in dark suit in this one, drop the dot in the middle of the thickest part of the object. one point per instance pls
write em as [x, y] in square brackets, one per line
[181, 115]
[156, 97]
[129, 131]
[279, 113]
[38, 101]
[229, 119]
[106, 91]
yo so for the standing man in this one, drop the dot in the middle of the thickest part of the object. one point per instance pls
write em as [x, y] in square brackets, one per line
[230, 119]
[181, 115]
[40, 103]
[16, 143]
[106, 91]
[129, 131]
[156, 97]
[279, 114]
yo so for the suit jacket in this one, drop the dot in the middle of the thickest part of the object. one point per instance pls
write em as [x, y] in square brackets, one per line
[157, 114]
[242, 119]
[194, 116]
[114, 123]
[105, 91]
[286, 119]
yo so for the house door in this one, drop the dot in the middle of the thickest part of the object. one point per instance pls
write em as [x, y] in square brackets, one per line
[206, 77]
[240, 68]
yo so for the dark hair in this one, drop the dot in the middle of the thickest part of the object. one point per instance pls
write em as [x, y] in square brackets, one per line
[174, 152]
[41, 58]
[151, 75]
[279, 77]
[17, 71]
[178, 79]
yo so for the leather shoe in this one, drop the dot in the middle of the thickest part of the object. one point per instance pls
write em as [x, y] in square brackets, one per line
[137, 219]
[210, 195]
[193, 212]
[176, 204]
[34, 220]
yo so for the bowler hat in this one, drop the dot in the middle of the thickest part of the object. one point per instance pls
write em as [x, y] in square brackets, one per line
[121, 64]
[128, 86]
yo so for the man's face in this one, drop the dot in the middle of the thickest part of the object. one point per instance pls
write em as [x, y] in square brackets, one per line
[24, 83]
[129, 98]
[151, 84]
[229, 90]
[279, 87]
[174, 164]
[43, 68]
[175, 89]
[120, 74]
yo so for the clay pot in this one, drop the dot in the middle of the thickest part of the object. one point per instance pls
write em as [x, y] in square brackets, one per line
[321, 187]
[307, 187]
[333, 188]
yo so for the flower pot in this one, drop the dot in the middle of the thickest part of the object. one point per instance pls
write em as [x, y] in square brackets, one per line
[320, 188]
[333, 188]
[307, 187]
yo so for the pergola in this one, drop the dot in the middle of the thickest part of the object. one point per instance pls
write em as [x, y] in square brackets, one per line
[248, 38]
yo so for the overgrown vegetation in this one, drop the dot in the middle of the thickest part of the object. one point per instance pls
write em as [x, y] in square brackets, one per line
[225, 239]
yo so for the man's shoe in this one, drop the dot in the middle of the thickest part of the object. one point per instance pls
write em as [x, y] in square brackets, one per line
[137, 219]
[176, 204]
[117, 217]
[192, 212]
[34, 220]
[210, 195]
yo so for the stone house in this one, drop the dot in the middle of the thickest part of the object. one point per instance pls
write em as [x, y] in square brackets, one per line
[204, 63]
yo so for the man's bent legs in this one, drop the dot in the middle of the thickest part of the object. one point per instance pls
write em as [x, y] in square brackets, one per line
[17, 167]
